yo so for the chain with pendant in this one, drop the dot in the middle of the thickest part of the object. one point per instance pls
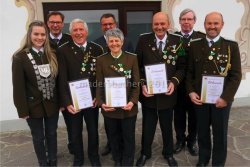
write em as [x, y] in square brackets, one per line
[44, 80]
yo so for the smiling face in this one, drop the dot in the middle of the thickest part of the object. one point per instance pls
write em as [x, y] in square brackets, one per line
[160, 24]
[115, 45]
[107, 23]
[213, 25]
[55, 25]
[187, 22]
[38, 36]
[79, 33]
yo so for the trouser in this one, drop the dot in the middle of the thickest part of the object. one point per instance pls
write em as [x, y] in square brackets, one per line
[108, 143]
[66, 116]
[91, 118]
[149, 121]
[37, 126]
[183, 107]
[122, 152]
[208, 115]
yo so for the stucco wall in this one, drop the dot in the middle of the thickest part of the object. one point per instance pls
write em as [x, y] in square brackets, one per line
[17, 14]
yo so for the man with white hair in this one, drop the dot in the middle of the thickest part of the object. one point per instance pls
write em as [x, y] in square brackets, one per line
[77, 60]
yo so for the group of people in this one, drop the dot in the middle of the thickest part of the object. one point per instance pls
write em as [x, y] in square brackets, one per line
[49, 59]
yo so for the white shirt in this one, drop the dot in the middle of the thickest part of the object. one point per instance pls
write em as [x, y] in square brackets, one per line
[215, 40]
[84, 45]
[163, 41]
[189, 34]
[52, 37]
[42, 49]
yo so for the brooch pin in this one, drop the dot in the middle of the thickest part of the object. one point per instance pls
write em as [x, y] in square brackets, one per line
[83, 66]
[127, 73]
[121, 68]
[211, 55]
[222, 69]
[165, 54]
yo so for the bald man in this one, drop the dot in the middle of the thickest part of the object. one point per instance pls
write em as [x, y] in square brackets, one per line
[159, 106]
[221, 57]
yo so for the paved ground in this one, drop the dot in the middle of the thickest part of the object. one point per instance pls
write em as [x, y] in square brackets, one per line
[17, 148]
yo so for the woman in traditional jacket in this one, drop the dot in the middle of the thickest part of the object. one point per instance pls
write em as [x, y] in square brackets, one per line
[34, 72]
[120, 121]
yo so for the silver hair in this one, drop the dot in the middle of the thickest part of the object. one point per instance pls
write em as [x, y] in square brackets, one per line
[78, 21]
[115, 32]
[185, 11]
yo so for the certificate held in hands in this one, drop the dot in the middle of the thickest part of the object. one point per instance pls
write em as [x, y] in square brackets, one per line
[115, 91]
[156, 78]
[80, 94]
[212, 87]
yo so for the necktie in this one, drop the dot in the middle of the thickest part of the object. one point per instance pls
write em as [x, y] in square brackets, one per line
[211, 43]
[40, 53]
[82, 48]
[186, 36]
[160, 48]
[55, 40]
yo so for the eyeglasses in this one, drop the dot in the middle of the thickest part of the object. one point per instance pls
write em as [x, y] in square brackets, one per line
[184, 19]
[108, 24]
[55, 22]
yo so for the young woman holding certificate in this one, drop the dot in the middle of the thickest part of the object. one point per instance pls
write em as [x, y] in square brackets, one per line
[34, 71]
[118, 77]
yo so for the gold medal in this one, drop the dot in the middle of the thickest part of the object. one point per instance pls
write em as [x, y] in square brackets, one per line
[168, 61]
[121, 69]
[83, 69]
[165, 57]
[210, 57]
[173, 62]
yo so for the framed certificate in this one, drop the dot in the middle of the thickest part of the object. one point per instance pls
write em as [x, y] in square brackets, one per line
[156, 78]
[115, 91]
[80, 94]
[211, 89]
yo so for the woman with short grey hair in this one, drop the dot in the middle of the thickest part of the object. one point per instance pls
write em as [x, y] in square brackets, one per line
[119, 121]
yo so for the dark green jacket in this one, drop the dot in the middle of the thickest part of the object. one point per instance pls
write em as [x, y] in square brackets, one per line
[147, 53]
[108, 67]
[198, 64]
[28, 99]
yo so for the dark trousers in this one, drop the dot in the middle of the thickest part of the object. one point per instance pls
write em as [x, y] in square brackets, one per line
[183, 107]
[149, 121]
[108, 143]
[122, 152]
[67, 120]
[48, 125]
[91, 118]
[208, 115]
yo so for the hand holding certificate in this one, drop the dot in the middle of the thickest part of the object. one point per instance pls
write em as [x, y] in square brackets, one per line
[212, 87]
[115, 89]
[80, 94]
[156, 78]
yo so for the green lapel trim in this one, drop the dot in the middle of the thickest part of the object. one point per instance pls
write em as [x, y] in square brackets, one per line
[34, 54]
[216, 43]
[116, 59]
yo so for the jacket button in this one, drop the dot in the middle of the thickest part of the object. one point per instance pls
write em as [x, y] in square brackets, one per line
[205, 72]
[80, 72]
[214, 72]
